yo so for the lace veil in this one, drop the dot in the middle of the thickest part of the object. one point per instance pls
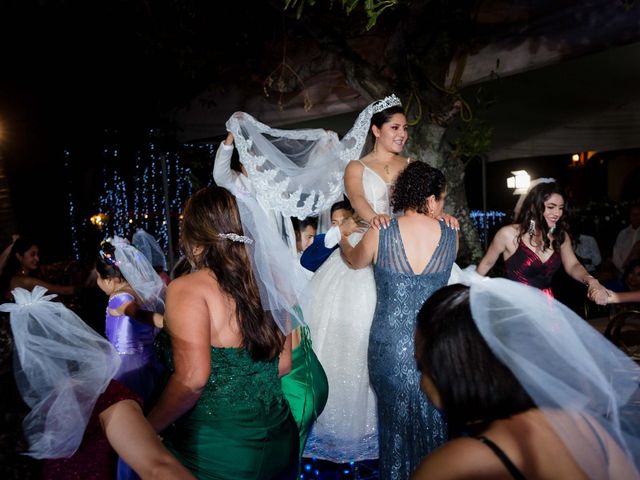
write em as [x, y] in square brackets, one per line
[61, 367]
[300, 172]
[584, 385]
[139, 273]
[150, 247]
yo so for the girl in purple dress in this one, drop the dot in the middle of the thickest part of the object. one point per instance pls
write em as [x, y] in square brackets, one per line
[134, 311]
[134, 314]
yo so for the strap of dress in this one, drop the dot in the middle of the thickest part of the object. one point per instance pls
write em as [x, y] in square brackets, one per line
[513, 470]
[119, 299]
[390, 254]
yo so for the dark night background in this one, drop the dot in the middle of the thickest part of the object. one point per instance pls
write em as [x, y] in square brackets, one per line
[77, 75]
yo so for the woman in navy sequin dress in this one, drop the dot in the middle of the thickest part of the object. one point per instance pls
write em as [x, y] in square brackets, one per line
[538, 243]
[412, 259]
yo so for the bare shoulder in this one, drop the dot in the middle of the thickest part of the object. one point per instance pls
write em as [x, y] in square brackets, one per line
[190, 282]
[508, 234]
[23, 281]
[511, 230]
[354, 166]
[191, 287]
[458, 459]
[187, 300]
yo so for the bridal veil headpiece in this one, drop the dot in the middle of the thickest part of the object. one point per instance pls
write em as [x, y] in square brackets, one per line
[61, 366]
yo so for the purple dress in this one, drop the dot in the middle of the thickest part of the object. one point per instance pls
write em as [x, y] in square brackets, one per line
[133, 340]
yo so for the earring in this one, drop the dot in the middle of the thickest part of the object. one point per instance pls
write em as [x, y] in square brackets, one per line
[375, 146]
[532, 227]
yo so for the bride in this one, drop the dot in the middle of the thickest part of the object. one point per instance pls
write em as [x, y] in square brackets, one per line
[301, 173]
[343, 301]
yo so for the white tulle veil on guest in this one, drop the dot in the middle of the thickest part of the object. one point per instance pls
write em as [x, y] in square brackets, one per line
[300, 172]
[149, 246]
[61, 367]
[575, 375]
[139, 274]
[532, 185]
[283, 287]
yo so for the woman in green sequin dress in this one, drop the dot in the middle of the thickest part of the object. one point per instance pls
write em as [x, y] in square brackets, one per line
[222, 412]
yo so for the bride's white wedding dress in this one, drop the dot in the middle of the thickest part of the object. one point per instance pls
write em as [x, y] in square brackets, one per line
[340, 315]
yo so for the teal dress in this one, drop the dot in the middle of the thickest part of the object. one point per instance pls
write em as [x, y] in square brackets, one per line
[306, 387]
[241, 427]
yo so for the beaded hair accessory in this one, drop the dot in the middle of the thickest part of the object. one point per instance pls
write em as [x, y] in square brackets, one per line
[107, 257]
[234, 237]
[387, 102]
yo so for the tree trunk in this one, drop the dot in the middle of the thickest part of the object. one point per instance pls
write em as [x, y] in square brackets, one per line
[426, 144]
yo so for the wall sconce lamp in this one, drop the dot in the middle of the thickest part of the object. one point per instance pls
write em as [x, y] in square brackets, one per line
[519, 182]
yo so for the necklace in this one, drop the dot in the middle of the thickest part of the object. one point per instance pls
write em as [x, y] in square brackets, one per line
[386, 169]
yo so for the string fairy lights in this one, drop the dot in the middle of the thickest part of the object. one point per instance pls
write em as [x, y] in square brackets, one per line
[136, 199]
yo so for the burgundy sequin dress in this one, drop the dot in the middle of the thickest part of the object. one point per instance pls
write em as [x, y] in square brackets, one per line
[94, 459]
[525, 266]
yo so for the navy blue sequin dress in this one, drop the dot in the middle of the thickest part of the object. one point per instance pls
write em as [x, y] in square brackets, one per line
[409, 425]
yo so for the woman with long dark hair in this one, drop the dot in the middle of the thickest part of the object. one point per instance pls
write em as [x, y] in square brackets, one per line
[347, 429]
[21, 267]
[222, 410]
[529, 389]
[538, 243]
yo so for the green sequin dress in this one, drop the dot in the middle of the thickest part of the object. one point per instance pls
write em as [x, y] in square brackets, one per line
[241, 427]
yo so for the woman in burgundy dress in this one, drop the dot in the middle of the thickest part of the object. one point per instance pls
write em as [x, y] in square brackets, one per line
[538, 243]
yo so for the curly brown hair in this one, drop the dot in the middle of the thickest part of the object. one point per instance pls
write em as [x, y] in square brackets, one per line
[414, 185]
[211, 211]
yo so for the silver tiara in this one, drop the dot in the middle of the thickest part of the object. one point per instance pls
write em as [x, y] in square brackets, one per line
[387, 102]
[234, 237]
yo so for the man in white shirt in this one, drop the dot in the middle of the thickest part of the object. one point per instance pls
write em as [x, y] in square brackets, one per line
[627, 238]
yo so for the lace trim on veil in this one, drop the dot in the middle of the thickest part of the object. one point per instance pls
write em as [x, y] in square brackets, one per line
[298, 172]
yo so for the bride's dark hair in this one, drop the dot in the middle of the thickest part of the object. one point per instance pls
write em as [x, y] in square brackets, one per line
[208, 213]
[382, 117]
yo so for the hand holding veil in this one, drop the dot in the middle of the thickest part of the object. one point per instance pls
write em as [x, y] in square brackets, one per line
[300, 172]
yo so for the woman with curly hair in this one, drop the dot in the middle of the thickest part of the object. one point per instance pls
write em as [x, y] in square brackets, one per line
[538, 243]
[412, 258]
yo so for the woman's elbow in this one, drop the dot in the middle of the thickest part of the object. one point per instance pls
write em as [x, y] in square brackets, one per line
[194, 382]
